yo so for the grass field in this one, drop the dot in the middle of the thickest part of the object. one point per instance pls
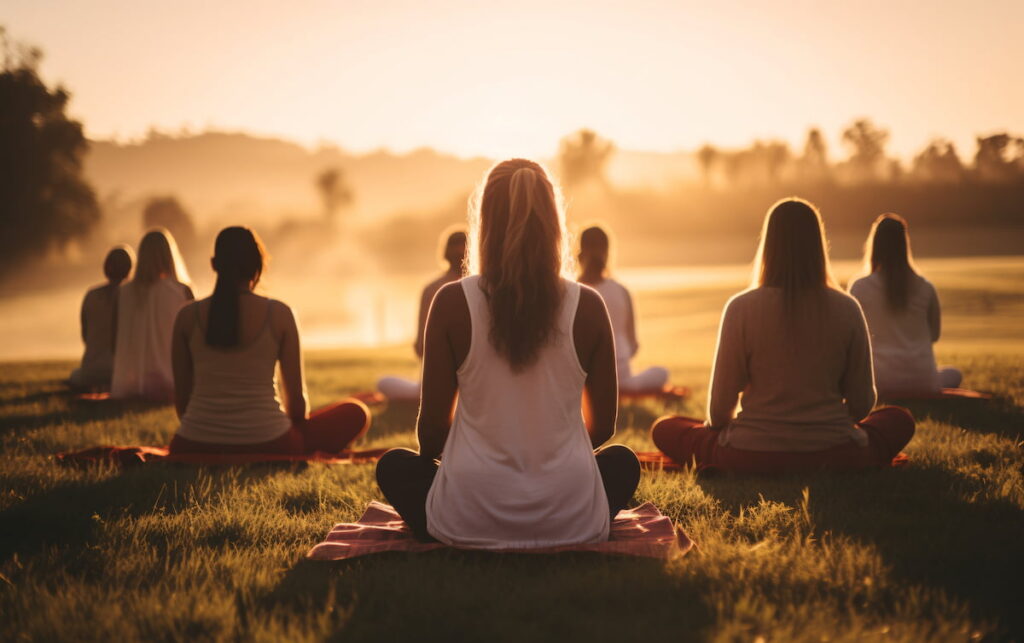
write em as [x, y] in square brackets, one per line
[930, 552]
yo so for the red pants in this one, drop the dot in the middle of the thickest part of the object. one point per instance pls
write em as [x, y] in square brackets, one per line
[686, 440]
[330, 429]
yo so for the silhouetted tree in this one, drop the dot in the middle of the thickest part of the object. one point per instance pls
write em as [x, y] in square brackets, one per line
[334, 191]
[707, 156]
[867, 144]
[167, 212]
[938, 163]
[995, 159]
[45, 201]
[582, 157]
[813, 165]
[774, 156]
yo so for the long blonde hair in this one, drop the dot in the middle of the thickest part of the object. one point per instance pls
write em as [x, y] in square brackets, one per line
[159, 257]
[887, 252]
[793, 253]
[519, 247]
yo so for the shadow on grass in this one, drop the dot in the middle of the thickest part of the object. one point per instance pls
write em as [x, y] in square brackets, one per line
[70, 410]
[920, 522]
[998, 416]
[459, 595]
[70, 514]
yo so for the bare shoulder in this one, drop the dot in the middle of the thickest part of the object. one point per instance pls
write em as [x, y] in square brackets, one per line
[450, 301]
[591, 303]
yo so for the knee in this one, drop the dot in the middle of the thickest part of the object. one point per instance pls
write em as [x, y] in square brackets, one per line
[350, 416]
[667, 426]
[900, 419]
[621, 455]
[390, 462]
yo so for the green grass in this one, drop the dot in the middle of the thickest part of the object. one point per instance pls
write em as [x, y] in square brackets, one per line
[929, 552]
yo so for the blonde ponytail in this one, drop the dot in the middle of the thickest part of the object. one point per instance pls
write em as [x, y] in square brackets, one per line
[519, 247]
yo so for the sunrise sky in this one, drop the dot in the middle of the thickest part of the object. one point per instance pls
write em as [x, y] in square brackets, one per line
[509, 78]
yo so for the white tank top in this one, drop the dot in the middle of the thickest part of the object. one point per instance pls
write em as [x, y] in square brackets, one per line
[234, 397]
[518, 469]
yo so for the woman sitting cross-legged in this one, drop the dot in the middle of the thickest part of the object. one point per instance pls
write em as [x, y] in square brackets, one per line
[903, 313]
[594, 251]
[793, 352]
[513, 353]
[225, 351]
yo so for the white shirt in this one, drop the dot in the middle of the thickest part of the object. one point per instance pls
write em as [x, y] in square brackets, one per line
[145, 322]
[518, 469]
[900, 340]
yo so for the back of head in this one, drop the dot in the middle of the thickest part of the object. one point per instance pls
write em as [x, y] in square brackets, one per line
[238, 258]
[888, 250]
[118, 264]
[520, 253]
[159, 258]
[594, 250]
[453, 252]
[792, 255]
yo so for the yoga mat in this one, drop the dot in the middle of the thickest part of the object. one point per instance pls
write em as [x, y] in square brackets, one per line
[642, 531]
[137, 455]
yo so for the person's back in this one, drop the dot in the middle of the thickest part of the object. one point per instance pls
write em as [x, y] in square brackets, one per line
[234, 397]
[798, 374]
[145, 319]
[508, 355]
[98, 320]
[901, 340]
[99, 324]
[518, 469]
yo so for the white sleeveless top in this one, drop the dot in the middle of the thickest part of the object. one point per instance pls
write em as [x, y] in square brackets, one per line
[616, 300]
[234, 397]
[901, 341]
[145, 323]
[518, 469]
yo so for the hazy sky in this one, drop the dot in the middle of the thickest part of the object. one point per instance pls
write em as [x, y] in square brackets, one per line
[481, 77]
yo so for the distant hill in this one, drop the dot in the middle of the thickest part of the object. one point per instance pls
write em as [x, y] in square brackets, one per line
[220, 176]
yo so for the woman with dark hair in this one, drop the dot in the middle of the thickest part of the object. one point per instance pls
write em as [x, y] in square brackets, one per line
[453, 254]
[146, 309]
[225, 352]
[594, 250]
[903, 313]
[511, 352]
[99, 324]
[793, 353]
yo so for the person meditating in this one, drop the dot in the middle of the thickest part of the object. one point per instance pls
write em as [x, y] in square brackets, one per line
[793, 351]
[512, 355]
[99, 325]
[903, 314]
[454, 254]
[594, 251]
[225, 351]
[146, 308]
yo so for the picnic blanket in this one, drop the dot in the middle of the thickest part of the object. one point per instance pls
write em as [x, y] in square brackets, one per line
[658, 461]
[136, 455]
[642, 531]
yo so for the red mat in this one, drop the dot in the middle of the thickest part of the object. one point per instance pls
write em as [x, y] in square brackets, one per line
[129, 456]
[642, 531]
[658, 461]
[944, 394]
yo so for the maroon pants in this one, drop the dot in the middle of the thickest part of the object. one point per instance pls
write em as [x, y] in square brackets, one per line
[687, 440]
[330, 429]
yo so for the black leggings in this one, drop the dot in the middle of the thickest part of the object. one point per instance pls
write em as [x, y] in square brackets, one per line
[405, 478]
